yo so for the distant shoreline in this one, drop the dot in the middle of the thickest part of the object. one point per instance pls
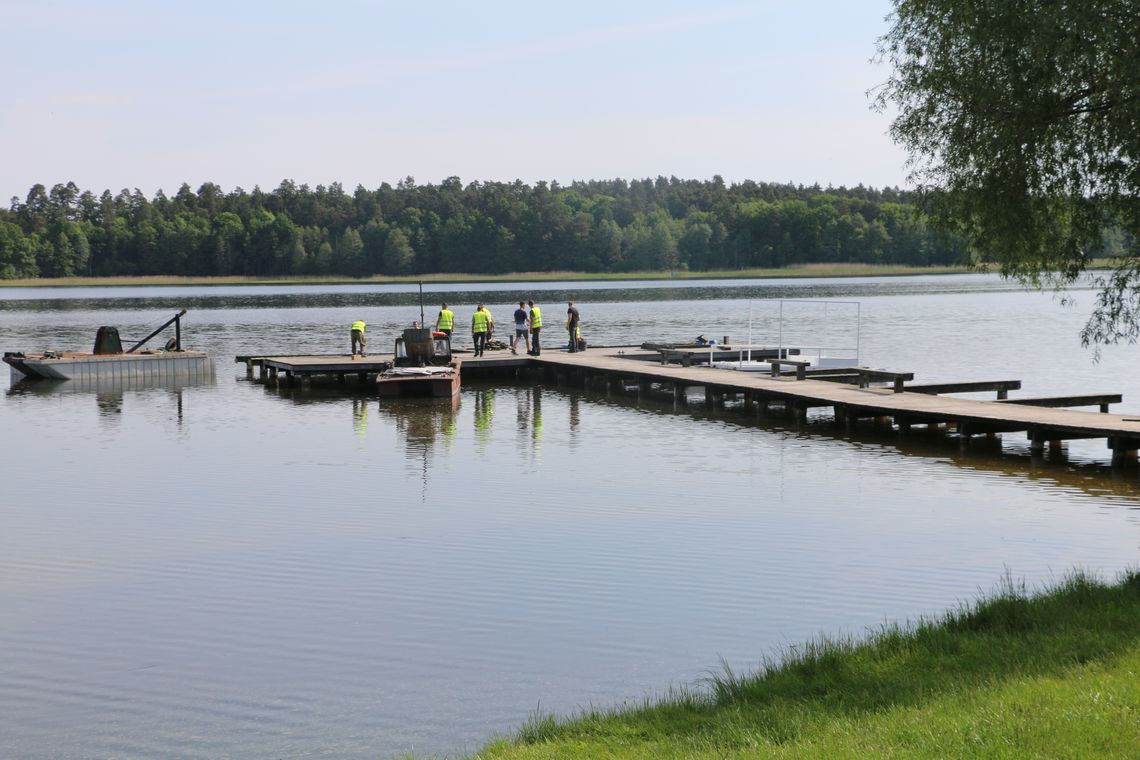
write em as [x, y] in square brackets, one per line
[810, 270]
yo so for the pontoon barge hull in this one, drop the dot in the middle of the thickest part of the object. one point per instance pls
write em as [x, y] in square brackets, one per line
[159, 366]
[436, 382]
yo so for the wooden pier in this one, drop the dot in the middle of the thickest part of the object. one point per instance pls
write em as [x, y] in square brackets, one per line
[848, 393]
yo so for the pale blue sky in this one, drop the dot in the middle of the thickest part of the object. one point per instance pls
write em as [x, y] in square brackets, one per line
[242, 93]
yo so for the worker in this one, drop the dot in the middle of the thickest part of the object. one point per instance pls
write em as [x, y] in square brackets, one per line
[579, 341]
[522, 322]
[535, 329]
[445, 322]
[358, 336]
[482, 324]
[572, 320]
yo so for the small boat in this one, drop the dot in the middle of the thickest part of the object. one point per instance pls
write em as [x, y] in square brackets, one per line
[107, 362]
[423, 366]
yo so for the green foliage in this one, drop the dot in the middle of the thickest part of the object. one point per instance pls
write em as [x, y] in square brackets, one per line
[17, 253]
[1015, 675]
[486, 229]
[1021, 119]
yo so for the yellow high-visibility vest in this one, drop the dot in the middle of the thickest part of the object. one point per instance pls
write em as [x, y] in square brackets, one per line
[358, 325]
[479, 322]
[535, 316]
[446, 319]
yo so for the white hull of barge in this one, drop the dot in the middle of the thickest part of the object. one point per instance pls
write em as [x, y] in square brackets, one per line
[158, 367]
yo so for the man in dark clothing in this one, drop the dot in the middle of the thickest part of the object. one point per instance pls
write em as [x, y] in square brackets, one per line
[572, 326]
[521, 321]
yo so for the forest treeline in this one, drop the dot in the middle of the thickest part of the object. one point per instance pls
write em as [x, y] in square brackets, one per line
[481, 228]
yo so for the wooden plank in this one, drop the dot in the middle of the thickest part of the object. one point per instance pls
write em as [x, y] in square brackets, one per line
[897, 378]
[1001, 386]
[1089, 399]
[801, 366]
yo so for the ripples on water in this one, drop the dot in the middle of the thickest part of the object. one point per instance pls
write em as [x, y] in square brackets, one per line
[234, 570]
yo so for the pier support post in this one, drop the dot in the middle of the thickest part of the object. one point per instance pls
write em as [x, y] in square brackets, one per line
[796, 411]
[1038, 440]
[1123, 451]
[678, 393]
[643, 389]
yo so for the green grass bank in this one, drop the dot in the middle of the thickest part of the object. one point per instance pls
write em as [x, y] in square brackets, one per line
[1016, 675]
[809, 270]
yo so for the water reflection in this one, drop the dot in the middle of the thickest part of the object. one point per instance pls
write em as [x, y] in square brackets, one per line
[422, 423]
[575, 420]
[360, 417]
[528, 420]
[484, 414]
[109, 395]
[426, 428]
[1056, 468]
[111, 406]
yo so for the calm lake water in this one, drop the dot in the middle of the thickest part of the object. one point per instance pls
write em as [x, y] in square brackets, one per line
[231, 570]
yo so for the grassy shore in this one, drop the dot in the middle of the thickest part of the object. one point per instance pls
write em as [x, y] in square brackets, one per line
[1055, 674]
[810, 270]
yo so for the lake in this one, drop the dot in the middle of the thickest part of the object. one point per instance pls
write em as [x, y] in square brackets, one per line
[234, 570]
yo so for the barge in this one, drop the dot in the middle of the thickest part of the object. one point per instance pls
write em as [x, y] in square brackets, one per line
[108, 362]
[423, 366]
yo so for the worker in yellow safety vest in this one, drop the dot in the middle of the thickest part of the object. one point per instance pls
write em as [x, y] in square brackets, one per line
[445, 322]
[482, 324]
[535, 329]
[358, 336]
